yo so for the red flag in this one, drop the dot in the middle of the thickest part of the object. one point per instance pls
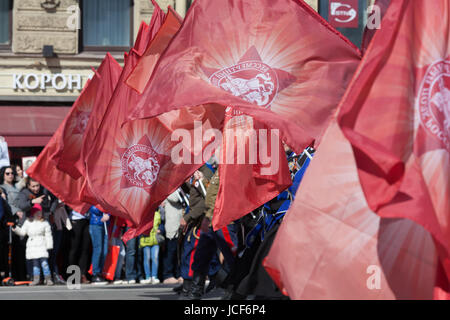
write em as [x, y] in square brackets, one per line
[330, 245]
[148, 32]
[130, 169]
[62, 185]
[94, 98]
[142, 72]
[275, 60]
[396, 114]
[246, 183]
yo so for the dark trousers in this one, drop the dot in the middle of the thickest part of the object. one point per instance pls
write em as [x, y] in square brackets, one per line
[224, 239]
[19, 263]
[190, 247]
[4, 250]
[133, 260]
[80, 245]
[57, 239]
[170, 260]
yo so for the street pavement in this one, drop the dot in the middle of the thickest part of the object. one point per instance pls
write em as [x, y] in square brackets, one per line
[98, 292]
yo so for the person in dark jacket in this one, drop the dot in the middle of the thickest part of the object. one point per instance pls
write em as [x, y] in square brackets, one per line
[191, 223]
[34, 193]
[5, 216]
[7, 180]
[224, 239]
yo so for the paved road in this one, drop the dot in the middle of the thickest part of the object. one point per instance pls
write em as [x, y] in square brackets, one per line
[97, 292]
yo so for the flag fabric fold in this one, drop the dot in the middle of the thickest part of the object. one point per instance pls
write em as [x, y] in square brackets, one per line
[79, 123]
[262, 174]
[168, 25]
[58, 182]
[331, 246]
[396, 114]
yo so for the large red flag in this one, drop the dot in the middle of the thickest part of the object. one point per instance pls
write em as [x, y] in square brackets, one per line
[131, 169]
[94, 97]
[396, 115]
[62, 185]
[258, 170]
[398, 166]
[330, 245]
[275, 60]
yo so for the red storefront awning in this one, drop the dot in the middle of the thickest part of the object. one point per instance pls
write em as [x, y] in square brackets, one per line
[24, 126]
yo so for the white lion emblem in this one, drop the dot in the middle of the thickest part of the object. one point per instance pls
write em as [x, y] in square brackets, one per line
[256, 90]
[144, 170]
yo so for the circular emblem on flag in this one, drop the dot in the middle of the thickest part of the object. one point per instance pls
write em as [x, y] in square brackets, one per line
[140, 165]
[253, 81]
[81, 122]
[434, 102]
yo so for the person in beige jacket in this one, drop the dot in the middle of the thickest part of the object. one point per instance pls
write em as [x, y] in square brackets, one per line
[39, 241]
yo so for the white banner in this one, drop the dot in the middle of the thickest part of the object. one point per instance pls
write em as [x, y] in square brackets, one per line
[4, 155]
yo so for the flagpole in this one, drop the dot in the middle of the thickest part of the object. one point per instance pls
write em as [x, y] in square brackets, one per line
[203, 187]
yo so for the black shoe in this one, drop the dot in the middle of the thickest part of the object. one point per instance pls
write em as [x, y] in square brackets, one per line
[99, 280]
[198, 287]
[57, 279]
[211, 286]
[185, 288]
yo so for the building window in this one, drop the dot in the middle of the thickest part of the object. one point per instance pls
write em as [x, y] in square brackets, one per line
[347, 16]
[106, 24]
[5, 23]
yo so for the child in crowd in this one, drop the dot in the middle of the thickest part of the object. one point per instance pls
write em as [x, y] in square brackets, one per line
[39, 241]
[150, 247]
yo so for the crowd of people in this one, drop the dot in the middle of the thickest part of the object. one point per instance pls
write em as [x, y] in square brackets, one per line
[42, 237]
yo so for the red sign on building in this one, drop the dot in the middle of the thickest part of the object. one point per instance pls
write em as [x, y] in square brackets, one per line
[343, 13]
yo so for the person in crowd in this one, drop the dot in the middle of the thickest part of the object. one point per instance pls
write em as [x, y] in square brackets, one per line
[59, 221]
[32, 194]
[5, 216]
[133, 259]
[20, 179]
[80, 243]
[99, 237]
[117, 232]
[150, 249]
[191, 223]
[173, 213]
[7, 181]
[224, 239]
[39, 241]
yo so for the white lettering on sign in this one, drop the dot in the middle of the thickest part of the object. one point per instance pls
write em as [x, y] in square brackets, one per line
[31, 84]
[74, 78]
[43, 81]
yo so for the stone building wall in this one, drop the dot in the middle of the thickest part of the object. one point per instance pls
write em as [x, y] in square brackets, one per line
[33, 27]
